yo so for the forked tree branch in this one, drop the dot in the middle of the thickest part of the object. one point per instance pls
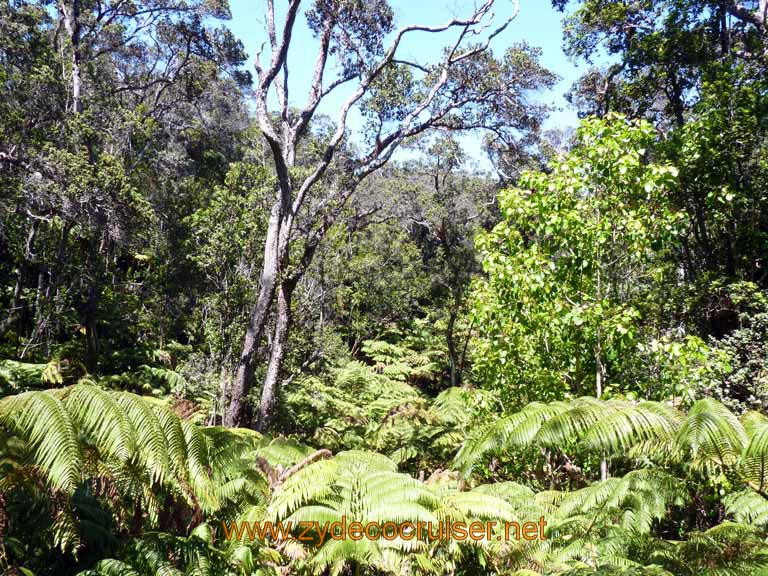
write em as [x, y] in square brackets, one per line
[467, 26]
[757, 17]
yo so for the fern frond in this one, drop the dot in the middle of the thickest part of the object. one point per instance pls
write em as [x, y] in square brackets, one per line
[516, 430]
[754, 459]
[42, 420]
[747, 506]
[98, 415]
[310, 483]
[150, 436]
[712, 433]
[111, 568]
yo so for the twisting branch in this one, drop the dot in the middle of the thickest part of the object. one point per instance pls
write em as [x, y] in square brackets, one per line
[388, 58]
[279, 52]
[757, 17]
[283, 135]
[316, 92]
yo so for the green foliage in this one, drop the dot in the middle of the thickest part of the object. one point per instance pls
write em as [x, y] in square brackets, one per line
[225, 245]
[680, 369]
[407, 361]
[571, 267]
[723, 172]
[196, 556]
[663, 51]
[18, 376]
[127, 451]
[742, 384]
[359, 485]
[376, 281]
[589, 350]
[363, 407]
[673, 448]
[85, 436]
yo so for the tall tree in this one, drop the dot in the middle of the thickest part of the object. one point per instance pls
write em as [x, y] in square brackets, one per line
[399, 99]
[661, 51]
[110, 89]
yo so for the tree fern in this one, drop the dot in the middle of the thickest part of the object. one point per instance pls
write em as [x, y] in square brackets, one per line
[42, 420]
[134, 453]
[754, 458]
[98, 415]
[712, 434]
[602, 426]
[131, 451]
[161, 554]
[516, 430]
[362, 487]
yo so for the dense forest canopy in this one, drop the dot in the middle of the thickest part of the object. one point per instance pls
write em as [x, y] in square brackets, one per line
[235, 298]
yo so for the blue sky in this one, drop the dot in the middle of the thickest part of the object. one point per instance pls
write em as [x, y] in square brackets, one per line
[537, 23]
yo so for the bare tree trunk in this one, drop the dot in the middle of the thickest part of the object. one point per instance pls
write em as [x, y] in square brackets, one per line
[758, 17]
[223, 400]
[599, 380]
[453, 354]
[255, 331]
[77, 83]
[276, 357]
[13, 313]
[39, 319]
[599, 366]
[71, 17]
[91, 331]
[269, 391]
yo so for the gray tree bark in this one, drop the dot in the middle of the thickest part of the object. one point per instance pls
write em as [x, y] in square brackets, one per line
[70, 15]
[282, 133]
[269, 390]
[245, 370]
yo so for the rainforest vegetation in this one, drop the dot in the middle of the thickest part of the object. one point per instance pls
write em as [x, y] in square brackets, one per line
[386, 288]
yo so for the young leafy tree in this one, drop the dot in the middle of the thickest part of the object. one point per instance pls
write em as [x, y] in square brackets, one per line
[697, 69]
[571, 267]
